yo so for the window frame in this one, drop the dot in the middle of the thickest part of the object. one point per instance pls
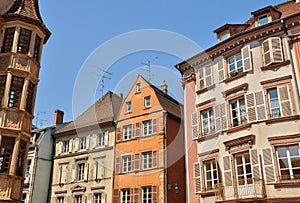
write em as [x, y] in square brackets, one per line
[15, 93]
[212, 174]
[65, 146]
[210, 123]
[8, 144]
[125, 193]
[138, 88]
[245, 179]
[262, 18]
[147, 160]
[128, 107]
[239, 112]
[146, 190]
[8, 39]
[126, 163]
[147, 102]
[237, 69]
[24, 41]
[127, 132]
[2, 88]
[147, 128]
[80, 172]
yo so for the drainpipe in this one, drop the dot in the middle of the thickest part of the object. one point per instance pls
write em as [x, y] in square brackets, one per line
[165, 150]
[292, 63]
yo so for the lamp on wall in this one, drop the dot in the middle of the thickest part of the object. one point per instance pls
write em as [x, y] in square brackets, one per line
[176, 188]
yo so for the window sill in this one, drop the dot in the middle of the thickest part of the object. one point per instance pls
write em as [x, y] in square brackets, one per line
[148, 107]
[286, 184]
[128, 112]
[280, 119]
[200, 91]
[207, 137]
[207, 193]
[238, 128]
[235, 77]
[275, 65]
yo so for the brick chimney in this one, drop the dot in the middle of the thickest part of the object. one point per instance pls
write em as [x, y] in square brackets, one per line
[58, 117]
[164, 87]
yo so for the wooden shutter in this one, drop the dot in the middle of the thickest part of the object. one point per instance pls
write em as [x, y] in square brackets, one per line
[155, 193]
[227, 170]
[106, 138]
[247, 62]
[154, 126]
[94, 140]
[255, 163]
[276, 49]
[60, 146]
[285, 103]
[208, 76]
[116, 196]
[95, 171]
[64, 170]
[136, 195]
[76, 144]
[59, 174]
[197, 177]
[260, 105]
[221, 71]
[117, 165]
[251, 108]
[266, 52]
[86, 171]
[268, 165]
[137, 161]
[218, 121]
[154, 159]
[101, 169]
[119, 135]
[138, 129]
[200, 81]
[223, 115]
[90, 198]
[88, 142]
[73, 173]
[70, 145]
[195, 126]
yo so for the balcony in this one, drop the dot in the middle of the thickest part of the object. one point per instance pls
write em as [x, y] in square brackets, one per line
[247, 189]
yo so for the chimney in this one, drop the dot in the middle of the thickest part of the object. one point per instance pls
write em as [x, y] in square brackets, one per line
[164, 87]
[58, 117]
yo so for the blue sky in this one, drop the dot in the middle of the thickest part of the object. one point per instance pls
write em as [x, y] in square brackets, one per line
[80, 28]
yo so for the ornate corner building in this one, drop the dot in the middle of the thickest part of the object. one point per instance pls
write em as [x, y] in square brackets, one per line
[23, 34]
[242, 111]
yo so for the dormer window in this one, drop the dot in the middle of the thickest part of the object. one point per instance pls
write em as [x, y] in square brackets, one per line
[263, 20]
[224, 36]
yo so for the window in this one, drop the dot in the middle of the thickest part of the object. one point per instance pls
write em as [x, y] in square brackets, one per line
[147, 128]
[243, 168]
[274, 103]
[24, 41]
[127, 132]
[103, 139]
[2, 87]
[78, 199]
[8, 40]
[29, 97]
[238, 112]
[126, 161]
[208, 123]
[99, 168]
[147, 160]
[210, 174]
[97, 197]
[63, 173]
[146, 194]
[24, 197]
[272, 50]
[82, 143]
[147, 102]
[7, 146]
[224, 36]
[128, 107]
[37, 45]
[235, 65]
[263, 20]
[80, 171]
[288, 162]
[21, 157]
[279, 102]
[125, 196]
[65, 146]
[138, 87]
[205, 77]
[60, 199]
[15, 92]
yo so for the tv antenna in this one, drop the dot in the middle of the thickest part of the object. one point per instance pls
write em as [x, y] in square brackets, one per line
[105, 75]
[148, 64]
[38, 120]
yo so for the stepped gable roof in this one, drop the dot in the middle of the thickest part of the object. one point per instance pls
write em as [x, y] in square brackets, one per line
[105, 110]
[27, 9]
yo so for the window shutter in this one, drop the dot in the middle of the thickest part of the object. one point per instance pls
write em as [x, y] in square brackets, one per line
[155, 193]
[86, 171]
[251, 108]
[197, 178]
[88, 142]
[154, 126]
[76, 144]
[117, 165]
[260, 105]
[132, 162]
[103, 198]
[221, 71]
[101, 169]
[154, 159]
[276, 49]
[106, 138]
[136, 195]
[208, 76]
[138, 129]
[90, 198]
[200, 81]
[73, 173]
[195, 126]
[218, 122]
[119, 135]
[94, 140]
[247, 62]
[268, 164]
[60, 146]
[116, 196]
[285, 102]
[227, 170]
[95, 171]
[223, 115]
[59, 174]
[137, 161]
[266, 52]
[70, 145]
[83, 198]
[255, 164]
[64, 173]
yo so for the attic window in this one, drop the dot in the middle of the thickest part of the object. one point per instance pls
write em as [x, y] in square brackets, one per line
[224, 36]
[263, 20]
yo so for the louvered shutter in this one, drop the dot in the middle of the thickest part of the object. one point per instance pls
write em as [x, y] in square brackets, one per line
[137, 161]
[247, 62]
[94, 140]
[64, 170]
[268, 164]
[87, 142]
[132, 163]
[76, 144]
[90, 198]
[59, 174]
[70, 145]
[218, 121]
[138, 129]
[116, 196]
[53, 200]
[255, 164]
[197, 177]
[285, 102]
[260, 105]
[200, 81]
[155, 193]
[103, 198]
[266, 52]
[251, 108]
[73, 173]
[223, 115]
[227, 170]
[154, 126]
[276, 49]
[119, 135]
[154, 159]
[195, 126]
[136, 195]
[221, 71]
[95, 171]
[86, 171]
[208, 76]
[101, 169]
[60, 146]
[117, 164]
[106, 138]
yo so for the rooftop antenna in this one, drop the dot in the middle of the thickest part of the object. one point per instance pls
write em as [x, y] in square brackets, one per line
[38, 120]
[103, 77]
[148, 64]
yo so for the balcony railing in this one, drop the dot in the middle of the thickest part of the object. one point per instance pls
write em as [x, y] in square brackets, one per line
[250, 188]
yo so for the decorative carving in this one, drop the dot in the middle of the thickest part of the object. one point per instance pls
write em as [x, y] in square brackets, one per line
[4, 187]
[12, 120]
[21, 63]
[4, 61]
[15, 194]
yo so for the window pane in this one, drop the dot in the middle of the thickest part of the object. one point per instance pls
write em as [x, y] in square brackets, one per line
[24, 41]
[8, 40]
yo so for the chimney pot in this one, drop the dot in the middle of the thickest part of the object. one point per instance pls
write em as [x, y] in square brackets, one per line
[164, 87]
[58, 117]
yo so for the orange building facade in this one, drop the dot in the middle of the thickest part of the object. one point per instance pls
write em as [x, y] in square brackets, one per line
[149, 161]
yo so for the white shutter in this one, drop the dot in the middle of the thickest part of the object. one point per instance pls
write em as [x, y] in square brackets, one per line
[83, 198]
[268, 164]
[106, 138]
[86, 171]
[90, 198]
[261, 111]
[70, 145]
[227, 170]
[103, 198]
[223, 116]
[95, 170]
[285, 103]
[221, 71]
[208, 76]
[195, 126]
[100, 173]
[247, 61]
[94, 140]
[64, 170]
[200, 79]
[255, 164]
[59, 174]
[88, 142]
[197, 177]
[60, 146]
[76, 144]
[73, 173]
[218, 121]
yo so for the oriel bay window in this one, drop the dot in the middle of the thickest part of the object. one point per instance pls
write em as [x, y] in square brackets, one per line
[24, 41]
[15, 92]
[8, 40]
[2, 87]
